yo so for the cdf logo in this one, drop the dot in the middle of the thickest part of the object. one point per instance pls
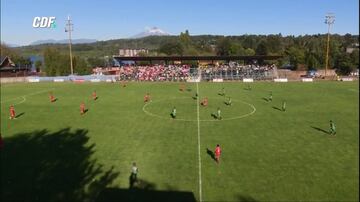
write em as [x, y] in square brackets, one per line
[44, 22]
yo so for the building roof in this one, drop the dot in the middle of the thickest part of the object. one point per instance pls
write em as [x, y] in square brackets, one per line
[214, 57]
[5, 61]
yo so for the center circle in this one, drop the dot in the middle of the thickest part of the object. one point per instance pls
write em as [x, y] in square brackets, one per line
[186, 108]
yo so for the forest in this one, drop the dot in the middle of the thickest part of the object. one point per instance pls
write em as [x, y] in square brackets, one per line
[305, 52]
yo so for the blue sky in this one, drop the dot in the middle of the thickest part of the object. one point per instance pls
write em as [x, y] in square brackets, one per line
[110, 19]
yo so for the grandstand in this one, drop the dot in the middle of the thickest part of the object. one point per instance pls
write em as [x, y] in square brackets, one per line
[174, 68]
[184, 72]
[238, 72]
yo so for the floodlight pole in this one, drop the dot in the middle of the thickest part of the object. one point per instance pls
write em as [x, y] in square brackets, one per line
[69, 28]
[329, 20]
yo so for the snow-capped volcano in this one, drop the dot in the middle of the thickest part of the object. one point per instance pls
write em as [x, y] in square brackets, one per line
[154, 31]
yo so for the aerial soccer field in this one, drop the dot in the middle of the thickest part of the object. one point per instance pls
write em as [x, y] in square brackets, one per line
[52, 153]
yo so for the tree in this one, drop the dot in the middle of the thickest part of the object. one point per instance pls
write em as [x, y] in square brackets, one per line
[223, 46]
[262, 48]
[355, 58]
[344, 66]
[296, 56]
[38, 65]
[336, 51]
[249, 52]
[308, 50]
[7, 51]
[81, 67]
[274, 43]
[96, 62]
[172, 48]
[191, 51]
[249, 42]
[236, 49]
[185, 39]
[56, 64]
[311, 61]
[348, 40]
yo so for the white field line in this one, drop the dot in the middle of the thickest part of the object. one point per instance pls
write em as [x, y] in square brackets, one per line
[199, 148]
[22, 101]
[353, 90]
[193, 120]
[24, 96]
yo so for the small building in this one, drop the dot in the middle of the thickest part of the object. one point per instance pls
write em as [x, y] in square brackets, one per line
[352, 48]
[132, 52]
[9, 69]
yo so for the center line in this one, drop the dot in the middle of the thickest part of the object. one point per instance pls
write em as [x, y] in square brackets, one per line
[199, 149]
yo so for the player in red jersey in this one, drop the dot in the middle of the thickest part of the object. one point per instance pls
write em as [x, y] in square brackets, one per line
[94, 96]
[147, 97]
[52, 97]
[12, 112]
[217, 153]
[82, 108]
[205, 102]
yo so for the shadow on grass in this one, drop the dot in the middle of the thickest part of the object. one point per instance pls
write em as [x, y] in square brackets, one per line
[144, 191]
[266, 99]
[320, 129]
[132, 180]
[58, 166]
[51, 166]
[242, 198]
[19, 115]
[277, 108]
[211, 154]
[56, 99]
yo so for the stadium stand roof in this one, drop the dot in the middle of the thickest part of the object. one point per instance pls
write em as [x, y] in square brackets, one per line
[208, 58]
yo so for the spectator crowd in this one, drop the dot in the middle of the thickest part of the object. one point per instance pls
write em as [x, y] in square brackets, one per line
[231, 71]
[236, 72]
[155, 73]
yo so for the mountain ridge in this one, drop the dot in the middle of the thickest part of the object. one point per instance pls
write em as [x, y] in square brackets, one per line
[62, 41]
[154, 31]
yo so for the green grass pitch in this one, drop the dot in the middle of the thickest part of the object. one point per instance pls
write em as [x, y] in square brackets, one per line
[51, 153]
